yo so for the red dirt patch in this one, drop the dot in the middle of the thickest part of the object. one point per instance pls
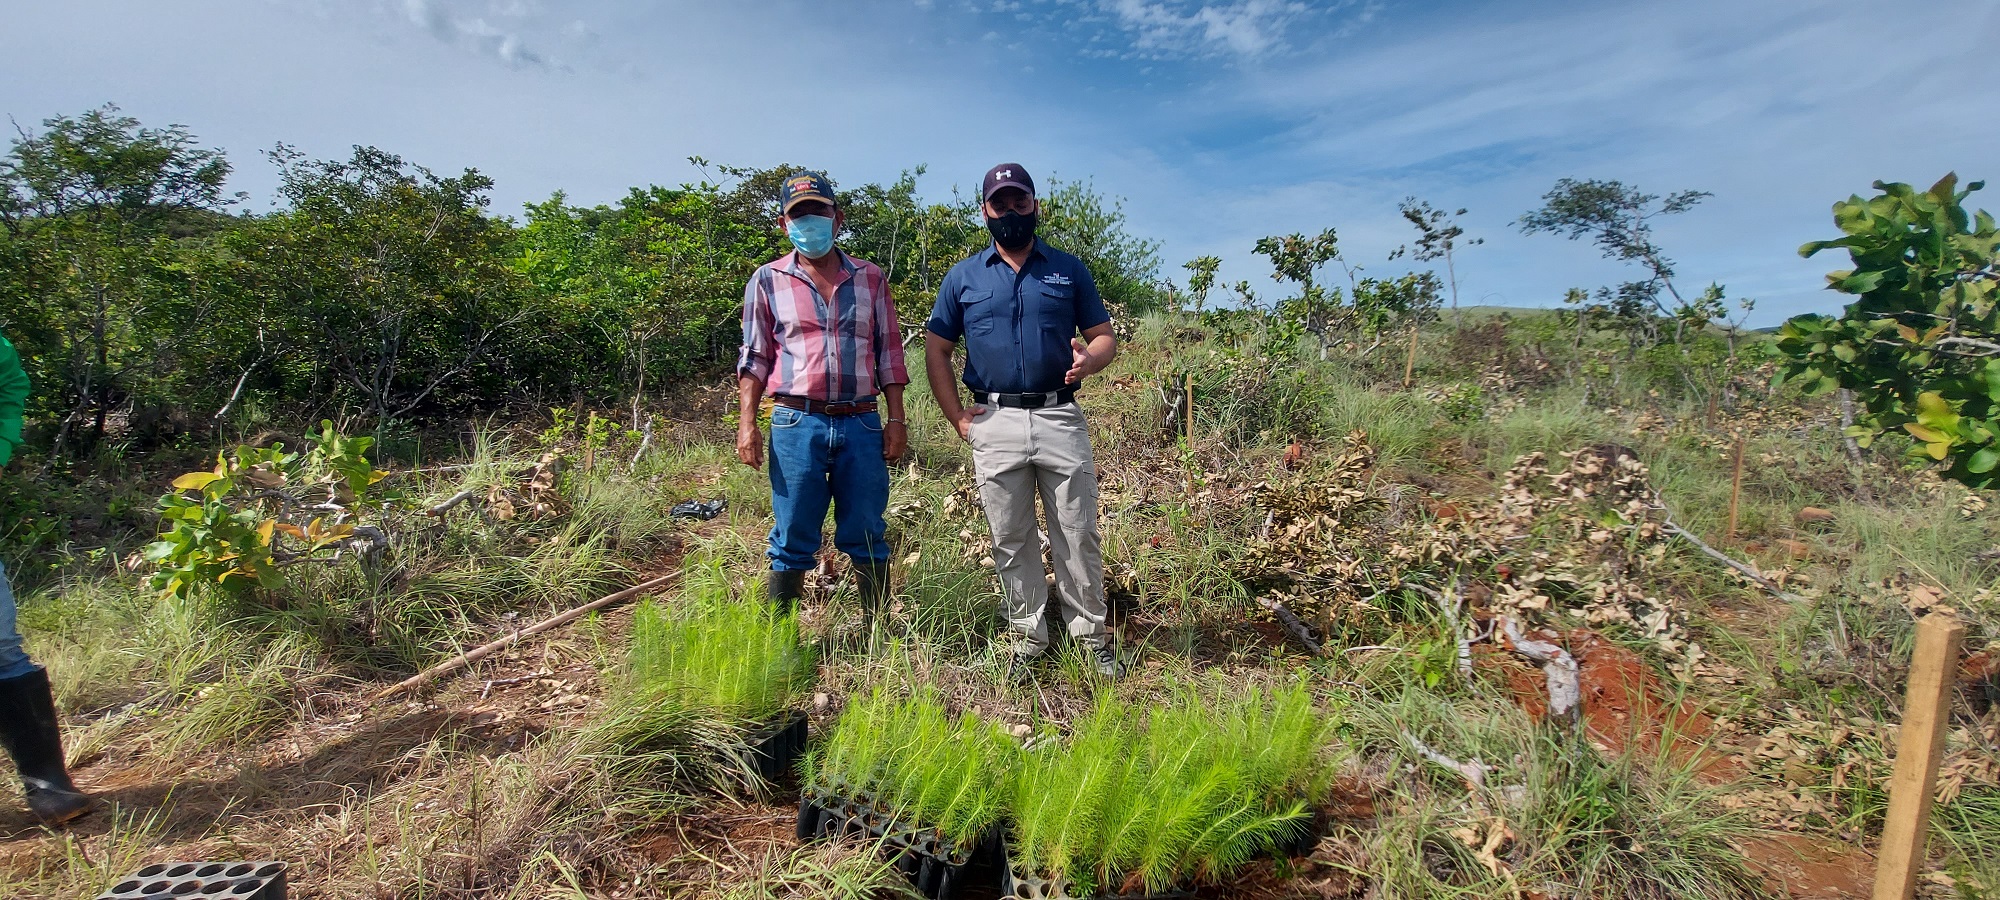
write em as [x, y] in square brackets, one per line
[1624, 704]
[1808, 869]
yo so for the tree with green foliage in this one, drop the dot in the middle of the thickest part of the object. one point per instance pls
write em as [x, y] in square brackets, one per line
[90, 207]
[384, 278]
[1920, 344]
[1438, 235]
[1619, 218]
[1077, 219]
[915, 242]
[658, 279]
[1201, 278]
[1294, 258]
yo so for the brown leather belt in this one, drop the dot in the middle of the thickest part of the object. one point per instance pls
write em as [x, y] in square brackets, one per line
[806, 404]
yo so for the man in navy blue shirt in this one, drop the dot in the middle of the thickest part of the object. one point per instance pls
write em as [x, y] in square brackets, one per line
[1019, 305]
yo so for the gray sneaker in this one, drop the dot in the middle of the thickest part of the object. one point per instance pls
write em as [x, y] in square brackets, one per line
[1106, 658]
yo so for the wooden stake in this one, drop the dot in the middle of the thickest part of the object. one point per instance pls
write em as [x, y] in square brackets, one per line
[472, 656]
[1410, 360]
[1187, 420]
[1926, 719]
[1735, 488]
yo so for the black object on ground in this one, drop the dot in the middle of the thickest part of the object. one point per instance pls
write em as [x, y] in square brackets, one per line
[776, 748]
[1023, 886]
[939, 869]
[698, 509]
[202, 881]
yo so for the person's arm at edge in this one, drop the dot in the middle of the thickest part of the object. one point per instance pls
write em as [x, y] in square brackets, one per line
[937, 370]
[749, 440]
[753, 368]
[1095, 350]
[13, 399]
[1098, 346]
[891, 372]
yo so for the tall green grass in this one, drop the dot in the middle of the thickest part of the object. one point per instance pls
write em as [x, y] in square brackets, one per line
[1628, 825]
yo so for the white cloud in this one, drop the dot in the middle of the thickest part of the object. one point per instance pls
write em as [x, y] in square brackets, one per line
[453, 23]
[1246, 28]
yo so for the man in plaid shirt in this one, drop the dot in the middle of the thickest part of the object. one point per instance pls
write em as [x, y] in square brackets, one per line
[820, 337]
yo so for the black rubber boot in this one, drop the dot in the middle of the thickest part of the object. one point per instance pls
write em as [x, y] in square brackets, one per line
[871, 582]
[786, 590]
[29, 728]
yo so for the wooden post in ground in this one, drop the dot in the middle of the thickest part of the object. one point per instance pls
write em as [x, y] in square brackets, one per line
[1919, 747]
[1735, 488]
[1187, 409]
[1410, 360]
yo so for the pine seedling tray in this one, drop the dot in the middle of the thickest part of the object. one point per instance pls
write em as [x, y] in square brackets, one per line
[938, 868]
[1016, 883]
[776, 747]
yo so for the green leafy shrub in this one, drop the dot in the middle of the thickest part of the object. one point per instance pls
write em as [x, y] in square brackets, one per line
[934, 769]
[1190, 794]
[1920, 345]
[226, 527]
[718, 654]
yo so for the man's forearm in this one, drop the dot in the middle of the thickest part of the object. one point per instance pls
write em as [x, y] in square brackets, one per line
[749, 396]
[1103, 349]
[892, 397]
[937, 371]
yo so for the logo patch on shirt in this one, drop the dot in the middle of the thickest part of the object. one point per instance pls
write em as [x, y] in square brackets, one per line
[1057, 278]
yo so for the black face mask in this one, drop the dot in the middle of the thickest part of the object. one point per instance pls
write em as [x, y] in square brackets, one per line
[1013, 231]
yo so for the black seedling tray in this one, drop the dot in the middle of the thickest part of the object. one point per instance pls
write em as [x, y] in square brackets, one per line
[1022, 886]
[202, 881]
[776, 748]
[938, 870]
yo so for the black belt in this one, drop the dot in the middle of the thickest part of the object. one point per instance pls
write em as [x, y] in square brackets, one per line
[809, 405]
[1025, 401]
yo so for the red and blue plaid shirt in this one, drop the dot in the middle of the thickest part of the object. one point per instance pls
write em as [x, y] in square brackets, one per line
[799, 343]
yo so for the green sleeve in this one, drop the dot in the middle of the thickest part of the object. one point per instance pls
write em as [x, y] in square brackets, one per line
[13, 398]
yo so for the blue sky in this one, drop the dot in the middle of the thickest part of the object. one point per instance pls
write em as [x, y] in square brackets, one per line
[1217, 122]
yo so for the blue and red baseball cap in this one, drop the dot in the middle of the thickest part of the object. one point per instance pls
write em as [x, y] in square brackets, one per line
[1005, 175]
[802, 187]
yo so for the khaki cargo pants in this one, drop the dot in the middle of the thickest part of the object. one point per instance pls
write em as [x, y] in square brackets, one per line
[1016, 454]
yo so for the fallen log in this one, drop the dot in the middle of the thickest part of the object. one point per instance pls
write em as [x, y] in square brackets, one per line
[476, 654]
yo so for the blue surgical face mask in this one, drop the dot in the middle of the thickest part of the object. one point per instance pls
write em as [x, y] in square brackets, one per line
[813, 235]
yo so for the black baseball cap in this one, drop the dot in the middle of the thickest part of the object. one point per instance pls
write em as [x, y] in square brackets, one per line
[802, 187]
[1006, 175]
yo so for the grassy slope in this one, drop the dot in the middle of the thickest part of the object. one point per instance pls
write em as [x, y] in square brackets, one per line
[244, 733]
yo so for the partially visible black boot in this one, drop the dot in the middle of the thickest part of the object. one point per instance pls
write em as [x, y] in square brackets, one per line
[29, 728]
[786, 590]
[871, 582]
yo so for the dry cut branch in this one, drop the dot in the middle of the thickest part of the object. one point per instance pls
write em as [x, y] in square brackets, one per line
[472, 656]
[1748, 571]
[1472, 770]
[1292, 623]
[454, 501]
[1564, 680]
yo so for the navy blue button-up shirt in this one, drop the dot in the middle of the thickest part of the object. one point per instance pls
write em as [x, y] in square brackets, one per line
[1017, 325]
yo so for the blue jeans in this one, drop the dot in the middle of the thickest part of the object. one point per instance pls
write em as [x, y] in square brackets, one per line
[14, 661]
[817, 460]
